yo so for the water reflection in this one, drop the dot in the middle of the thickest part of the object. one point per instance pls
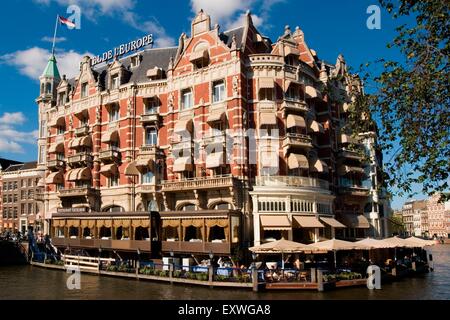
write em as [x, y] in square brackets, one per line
[35, 283]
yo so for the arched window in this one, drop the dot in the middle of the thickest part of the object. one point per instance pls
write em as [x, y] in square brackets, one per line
[113, 209]
[73, 232]
[188, 207]
[223, 206]
[86, 232]
[48, 88]
[141, 233]
[105, 232]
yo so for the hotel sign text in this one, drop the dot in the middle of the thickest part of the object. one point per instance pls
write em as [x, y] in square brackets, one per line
[123, 49]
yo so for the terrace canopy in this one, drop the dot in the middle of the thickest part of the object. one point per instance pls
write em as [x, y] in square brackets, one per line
[337, 245]
[374, 243]
[420, 242]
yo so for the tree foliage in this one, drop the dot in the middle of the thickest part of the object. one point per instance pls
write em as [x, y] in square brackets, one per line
[411, 98]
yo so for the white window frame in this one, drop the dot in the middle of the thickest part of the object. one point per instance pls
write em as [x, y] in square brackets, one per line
[221, 94]
[185, 93]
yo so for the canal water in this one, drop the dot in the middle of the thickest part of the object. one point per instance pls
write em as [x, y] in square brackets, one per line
[33, 283]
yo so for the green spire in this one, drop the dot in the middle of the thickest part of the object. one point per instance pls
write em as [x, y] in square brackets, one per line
[51, 71]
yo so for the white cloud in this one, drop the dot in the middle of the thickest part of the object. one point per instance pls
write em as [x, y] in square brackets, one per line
[13, 139]
[10, 147]
[230, 13]
[11, 118]
[50, 39]
[31, 62]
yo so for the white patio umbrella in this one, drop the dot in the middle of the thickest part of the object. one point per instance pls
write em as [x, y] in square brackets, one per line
[281, 246]
[420, 242]
[335, 245]
[375, 244]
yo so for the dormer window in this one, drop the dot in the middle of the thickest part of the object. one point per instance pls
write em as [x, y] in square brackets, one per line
[62, 98]
[291, 60]
[135, 61]
[84, 121]
[84, 90]
[200, 56]
[115, 82]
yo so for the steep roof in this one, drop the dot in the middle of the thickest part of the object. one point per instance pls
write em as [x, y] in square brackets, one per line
[5, 163]
[51, 70]
[21, 166]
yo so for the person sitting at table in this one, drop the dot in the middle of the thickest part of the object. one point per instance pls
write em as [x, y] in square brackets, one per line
[297, 264]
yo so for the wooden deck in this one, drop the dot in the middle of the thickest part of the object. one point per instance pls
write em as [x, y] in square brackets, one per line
[291, 286]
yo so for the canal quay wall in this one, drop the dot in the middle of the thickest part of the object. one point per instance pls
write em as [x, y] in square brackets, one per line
[92, 265]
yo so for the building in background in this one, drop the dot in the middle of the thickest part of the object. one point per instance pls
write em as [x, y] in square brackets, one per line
[221, 143]
[438, 217]
[4, 164]
[21, 186]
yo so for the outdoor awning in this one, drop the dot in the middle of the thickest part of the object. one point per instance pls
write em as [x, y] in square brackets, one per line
[312, 92]
[319, 166]
[268, 119]
[143, 163]
[266, 83]
[183, 126]
[131, 169]
[298, 161]
[291, 51]
[295, 121]
[316, 127]
[110, 136]
[214, 160]
[332, 222]
[354, 220]
[55, 178]
[183, 164]
[217, 117]
[288, 83]
[85, 142]
[74, 143]
[199, 55]
[308, 222]
[84, 174]
[278, 222]
[58, 121]
[343, 170]
[56, 148]
[109, 170]
[72, 175]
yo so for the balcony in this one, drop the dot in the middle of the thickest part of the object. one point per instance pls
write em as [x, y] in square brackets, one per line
[357, 191]
[350, 154]
[80, 159]
[294, 106]
[146, 188]
[183, 145]
[125, 245]
[266, 106]
[77, 192]
[218, 138]
[199, 183]
[55, 165]
[82, 131]
[266, 60]
[286, 181]
[109, 155]
[150, 118]
[297, 141]
[196, 247]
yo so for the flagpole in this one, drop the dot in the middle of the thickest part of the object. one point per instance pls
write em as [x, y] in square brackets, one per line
[54, 35]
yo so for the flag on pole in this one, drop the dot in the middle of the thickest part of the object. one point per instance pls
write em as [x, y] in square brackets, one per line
[67, 22]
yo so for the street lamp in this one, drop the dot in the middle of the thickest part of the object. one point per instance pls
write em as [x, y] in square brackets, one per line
[211, 255]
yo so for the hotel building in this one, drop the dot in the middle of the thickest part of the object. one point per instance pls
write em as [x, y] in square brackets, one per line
[221, 143]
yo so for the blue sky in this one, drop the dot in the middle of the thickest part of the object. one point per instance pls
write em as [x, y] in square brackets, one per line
[330, 27]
